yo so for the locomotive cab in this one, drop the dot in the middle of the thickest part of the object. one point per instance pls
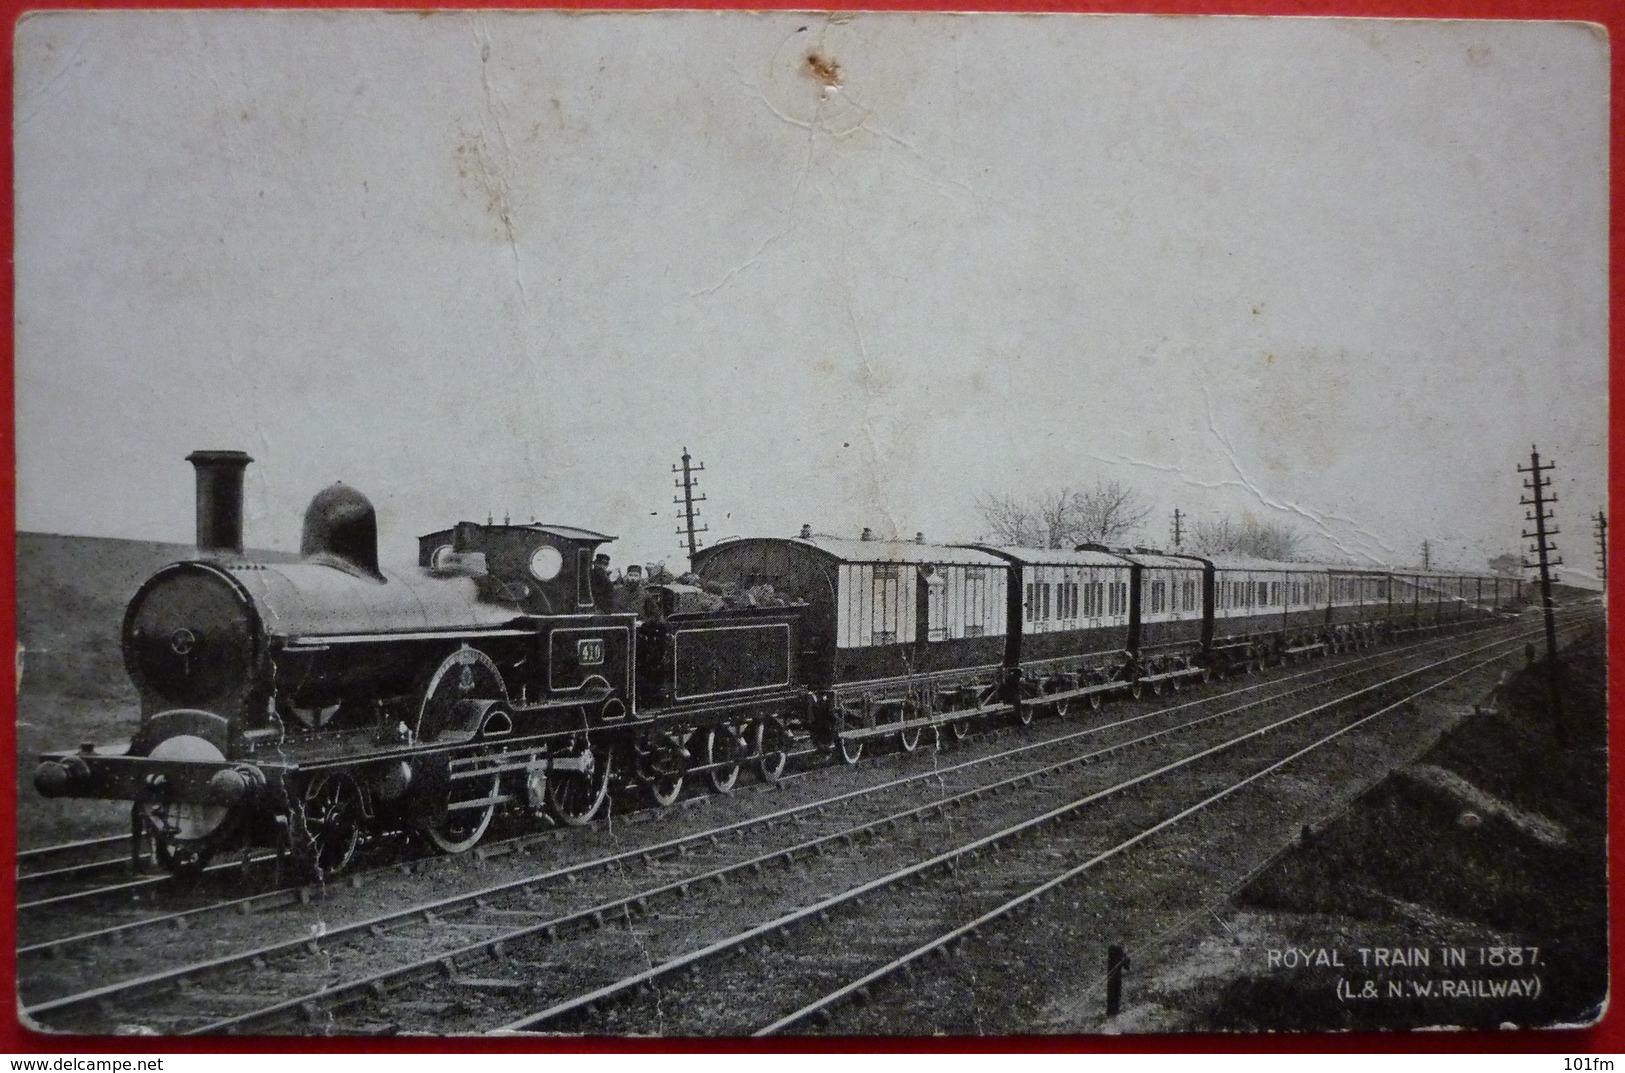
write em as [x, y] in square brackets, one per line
[537, 569]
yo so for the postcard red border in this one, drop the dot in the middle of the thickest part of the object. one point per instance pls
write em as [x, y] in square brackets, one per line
[1607, 1036]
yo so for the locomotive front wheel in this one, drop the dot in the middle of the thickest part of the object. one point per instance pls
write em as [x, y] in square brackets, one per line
[574, 797]
[185, 837]
[324, 826]
[722, 745]
[459, 829]
[770, 745]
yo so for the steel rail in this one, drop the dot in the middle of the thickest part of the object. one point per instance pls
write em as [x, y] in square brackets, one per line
[597, 914]
[946, 858]
[1032, 896]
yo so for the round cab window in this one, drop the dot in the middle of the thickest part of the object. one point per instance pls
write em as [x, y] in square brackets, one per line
[545, 563]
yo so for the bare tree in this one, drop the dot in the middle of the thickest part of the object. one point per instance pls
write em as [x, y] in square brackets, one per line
[1010, 521]
[1108, 512]
[1263, 540]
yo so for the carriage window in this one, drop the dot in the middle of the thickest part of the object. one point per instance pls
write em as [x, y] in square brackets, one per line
[1045, 602]
[1275, 593]
[975, 601]
[1029, 604]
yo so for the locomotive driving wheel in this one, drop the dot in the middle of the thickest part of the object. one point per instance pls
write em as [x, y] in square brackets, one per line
[770, 744]
[574, 796]
[470, 804]
[324, 825]
[724, 746]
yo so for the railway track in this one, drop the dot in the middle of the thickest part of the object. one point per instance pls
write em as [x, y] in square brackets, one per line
[746, 981]
[542, 904]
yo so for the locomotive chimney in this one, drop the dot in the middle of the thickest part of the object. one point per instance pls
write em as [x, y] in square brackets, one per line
[219, 500]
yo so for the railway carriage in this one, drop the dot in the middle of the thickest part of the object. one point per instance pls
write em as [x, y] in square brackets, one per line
[1171, 630]
[900, 637]
[1358, 608]
[1264, 611]
[1070, 616]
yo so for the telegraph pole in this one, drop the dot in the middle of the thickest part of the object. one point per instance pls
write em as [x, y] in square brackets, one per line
[1427, 555]
[687, 500]
[1602, 549]
[1177, 530]
[1540, 499]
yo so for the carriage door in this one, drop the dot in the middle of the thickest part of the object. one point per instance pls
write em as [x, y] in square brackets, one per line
[930, 606]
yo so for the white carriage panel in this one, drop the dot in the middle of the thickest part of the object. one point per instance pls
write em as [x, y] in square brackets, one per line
[901, 609]
[994, 601]
[845, 633]
[953, 601]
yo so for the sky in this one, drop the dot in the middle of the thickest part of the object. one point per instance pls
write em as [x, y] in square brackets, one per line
[1339, 274]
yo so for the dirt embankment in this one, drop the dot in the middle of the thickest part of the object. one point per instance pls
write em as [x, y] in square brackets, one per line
[1468, 889]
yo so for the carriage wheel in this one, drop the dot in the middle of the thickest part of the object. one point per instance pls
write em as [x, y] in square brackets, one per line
[851, 751]
[1136, 690]
[908, 739]
[722, 745]
[324, 825]
[457, 830]
[664, 760]
[1156, 688]
[1095, 701]
[1024, 712]
[574, 797]
[1063, 708]
[770, 744]
[960, 729]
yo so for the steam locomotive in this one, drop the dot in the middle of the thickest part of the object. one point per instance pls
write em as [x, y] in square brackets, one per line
[310, 704]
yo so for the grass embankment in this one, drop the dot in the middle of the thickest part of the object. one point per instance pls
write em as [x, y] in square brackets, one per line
[1497, 838]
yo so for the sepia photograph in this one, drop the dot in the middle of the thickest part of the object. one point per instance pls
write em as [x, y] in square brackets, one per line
[715, 524]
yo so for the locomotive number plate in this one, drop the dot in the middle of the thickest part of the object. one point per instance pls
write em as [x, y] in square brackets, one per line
[590, 652]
